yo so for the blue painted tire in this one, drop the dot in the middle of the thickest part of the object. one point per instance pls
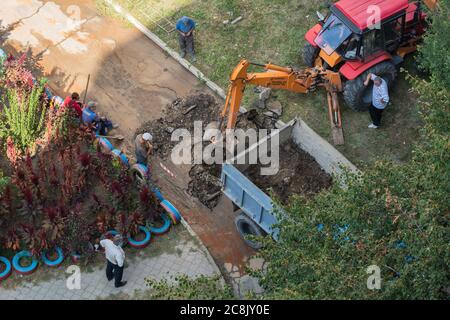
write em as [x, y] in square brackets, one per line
[172, 212]
[164, 228]
[140, 173]
[48, 93]
[143, 243]
[122, 157]
[24, 270]
[7, 272]
[57, 101]
[105, 145]
[158, 193]
[53, 263]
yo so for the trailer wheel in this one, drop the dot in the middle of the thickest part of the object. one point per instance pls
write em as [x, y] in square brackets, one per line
[359, 97]
[309, 54]
[247, 227]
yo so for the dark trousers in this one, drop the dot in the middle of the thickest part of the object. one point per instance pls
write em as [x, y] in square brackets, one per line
[103, 126]
[375, 115]
[187, 43]
[114, 271]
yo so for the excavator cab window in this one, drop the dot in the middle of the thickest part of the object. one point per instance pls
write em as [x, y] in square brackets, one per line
[334, 32]
[373, 43]
[393, 32]
[351, 48]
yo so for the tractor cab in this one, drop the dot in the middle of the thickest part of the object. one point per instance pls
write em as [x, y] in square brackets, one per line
[365, 36]
[363, 30]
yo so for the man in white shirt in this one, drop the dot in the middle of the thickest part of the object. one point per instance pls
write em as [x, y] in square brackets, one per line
[380, 99]
[115, 258]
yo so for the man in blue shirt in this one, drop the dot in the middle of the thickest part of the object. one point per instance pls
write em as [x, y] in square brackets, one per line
[185, 27]
[380, 99]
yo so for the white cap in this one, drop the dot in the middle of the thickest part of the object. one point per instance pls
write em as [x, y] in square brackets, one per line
[147, 136]
[91, 104]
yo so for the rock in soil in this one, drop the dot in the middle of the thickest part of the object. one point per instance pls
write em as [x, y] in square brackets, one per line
[299, 174]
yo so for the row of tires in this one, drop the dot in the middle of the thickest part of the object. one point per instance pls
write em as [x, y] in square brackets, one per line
[172, 217]
[141, 173]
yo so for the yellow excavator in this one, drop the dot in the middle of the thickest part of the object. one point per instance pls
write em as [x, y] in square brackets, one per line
[341, 50]
[284, 78]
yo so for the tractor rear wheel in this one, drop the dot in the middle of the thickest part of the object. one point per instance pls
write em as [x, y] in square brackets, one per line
[359, 97]
[309, 54]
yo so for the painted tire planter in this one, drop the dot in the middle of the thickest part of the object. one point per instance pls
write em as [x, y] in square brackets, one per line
[172, 212]
[122, 157]
[158, 193]
[7, 272]
[140, 173]
[24, 270]
[56, 262]
[164, 228]
[57, 101]
[75, 257]
[105, 145]
[142, 243]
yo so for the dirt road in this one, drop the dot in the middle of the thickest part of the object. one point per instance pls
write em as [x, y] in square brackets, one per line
[131, 79]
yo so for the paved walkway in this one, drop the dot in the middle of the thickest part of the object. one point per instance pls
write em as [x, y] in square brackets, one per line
[186, 257]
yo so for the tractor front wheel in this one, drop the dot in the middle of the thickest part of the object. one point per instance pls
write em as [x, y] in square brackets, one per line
[359, 97]
[309, 54]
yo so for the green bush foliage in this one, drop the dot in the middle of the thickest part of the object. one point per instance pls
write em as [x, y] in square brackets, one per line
[393, 216]
[23, 116]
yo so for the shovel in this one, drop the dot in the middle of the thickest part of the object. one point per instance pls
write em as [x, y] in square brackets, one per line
[117, 137]
[337, 134]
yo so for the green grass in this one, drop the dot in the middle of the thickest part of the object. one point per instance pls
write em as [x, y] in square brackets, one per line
[273, 31]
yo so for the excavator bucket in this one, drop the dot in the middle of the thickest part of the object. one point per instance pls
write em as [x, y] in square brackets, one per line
[338, 136]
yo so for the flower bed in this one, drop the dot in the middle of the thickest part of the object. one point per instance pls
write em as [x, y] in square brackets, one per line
[72, 190]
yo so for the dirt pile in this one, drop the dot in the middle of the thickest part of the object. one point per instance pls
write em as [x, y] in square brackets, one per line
[299, 174]
[181, 113]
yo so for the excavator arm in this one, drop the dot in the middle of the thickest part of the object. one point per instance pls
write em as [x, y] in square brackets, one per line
[282, 78]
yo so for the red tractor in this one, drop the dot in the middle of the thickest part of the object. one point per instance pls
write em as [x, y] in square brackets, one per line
[365, 36]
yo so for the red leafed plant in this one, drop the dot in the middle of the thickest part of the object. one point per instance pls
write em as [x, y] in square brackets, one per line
[53, 224]
[35, 239]
[149, 205]
[128, 224]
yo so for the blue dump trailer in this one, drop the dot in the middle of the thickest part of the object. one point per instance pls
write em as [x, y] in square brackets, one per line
[257, 214]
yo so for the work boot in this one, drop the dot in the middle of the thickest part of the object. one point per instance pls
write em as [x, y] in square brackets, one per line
[121, 284]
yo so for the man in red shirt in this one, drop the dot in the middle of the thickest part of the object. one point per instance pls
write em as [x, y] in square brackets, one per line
[73, 102]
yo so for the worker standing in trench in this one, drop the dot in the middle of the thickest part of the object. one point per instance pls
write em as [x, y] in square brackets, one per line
[143, 147]
[185, 27]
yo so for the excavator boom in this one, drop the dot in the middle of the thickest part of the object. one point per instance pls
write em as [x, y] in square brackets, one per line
[282, 78]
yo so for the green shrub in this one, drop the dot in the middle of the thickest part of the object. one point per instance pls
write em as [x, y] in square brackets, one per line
[23, 116]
